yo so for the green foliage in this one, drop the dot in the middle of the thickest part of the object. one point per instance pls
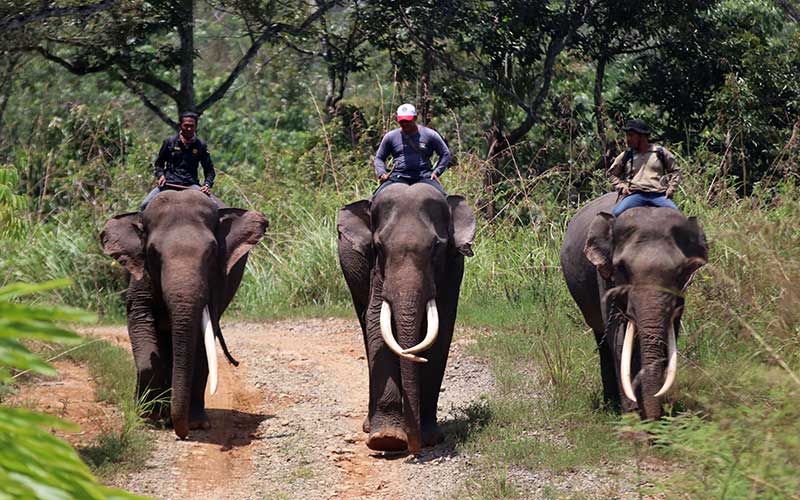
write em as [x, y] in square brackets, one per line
[33, 462]
[12, 205]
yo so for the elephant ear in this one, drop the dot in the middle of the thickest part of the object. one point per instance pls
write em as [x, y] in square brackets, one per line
[122, 238]
[599, 246]
[239, 230]
[354, 225]
[462, 221]
[691, 239]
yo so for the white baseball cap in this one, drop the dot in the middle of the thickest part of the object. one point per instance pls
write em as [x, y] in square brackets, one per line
[406, 112]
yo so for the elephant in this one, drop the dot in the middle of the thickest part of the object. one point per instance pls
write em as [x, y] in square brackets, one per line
[185, 258]
[402, 256]
[628, 276]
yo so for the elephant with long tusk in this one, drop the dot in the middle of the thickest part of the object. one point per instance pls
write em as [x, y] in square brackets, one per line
[402, 255]
[628, 276]
[186, 258]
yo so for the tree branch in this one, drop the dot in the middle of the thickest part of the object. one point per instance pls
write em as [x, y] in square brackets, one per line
[789, 9]
[78, 67]
[510, 93]
[248, 57]
[130, 83]
[79, 10]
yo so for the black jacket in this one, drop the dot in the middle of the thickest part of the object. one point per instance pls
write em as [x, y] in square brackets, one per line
[178, 162]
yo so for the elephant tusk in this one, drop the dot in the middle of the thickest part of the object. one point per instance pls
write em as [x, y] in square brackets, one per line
[672, 366]
[432, 314]
[625, 366]
[211, 351]
[388, 336]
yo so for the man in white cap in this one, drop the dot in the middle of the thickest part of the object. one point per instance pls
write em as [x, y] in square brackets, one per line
[411, 147]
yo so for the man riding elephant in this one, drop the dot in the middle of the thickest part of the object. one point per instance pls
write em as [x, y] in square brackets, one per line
[178, 160]
[402, 255]
[645, 174]
[411, 147]
[186, 258]
[628, 275]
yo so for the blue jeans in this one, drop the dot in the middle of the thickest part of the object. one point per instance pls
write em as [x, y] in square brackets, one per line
[394, 179]
[157, 190]
[643, 200]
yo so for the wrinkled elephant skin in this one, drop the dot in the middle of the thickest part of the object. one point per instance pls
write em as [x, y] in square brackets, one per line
[402, 255]
[184, 256]
[632, 268]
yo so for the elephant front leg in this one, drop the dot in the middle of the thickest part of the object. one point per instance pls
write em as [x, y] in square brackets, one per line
[198, 417]
[386, 424]
[432, 374]
[608, 372]
[151, 355]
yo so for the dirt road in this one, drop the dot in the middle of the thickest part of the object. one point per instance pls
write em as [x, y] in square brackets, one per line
[287, 423]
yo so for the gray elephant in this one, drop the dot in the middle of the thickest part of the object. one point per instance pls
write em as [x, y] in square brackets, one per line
[186, 258]
[402, 255]
[628, 276]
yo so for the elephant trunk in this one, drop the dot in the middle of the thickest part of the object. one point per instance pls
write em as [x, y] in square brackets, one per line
[408, 314]
[658, 351]
[186, 304]
[185, 336]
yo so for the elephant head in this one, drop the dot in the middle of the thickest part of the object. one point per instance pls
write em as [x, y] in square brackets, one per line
[650, 254]
[402, 256]
[190, 256]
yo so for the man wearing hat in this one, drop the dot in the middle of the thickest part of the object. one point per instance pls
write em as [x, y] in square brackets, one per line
[178, 159]
[645, 174]
[411, 147]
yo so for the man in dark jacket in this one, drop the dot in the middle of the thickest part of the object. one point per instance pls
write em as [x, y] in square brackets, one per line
[179, 158]
[411, 147]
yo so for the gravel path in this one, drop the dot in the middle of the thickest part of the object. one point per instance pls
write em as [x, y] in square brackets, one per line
[287, 423]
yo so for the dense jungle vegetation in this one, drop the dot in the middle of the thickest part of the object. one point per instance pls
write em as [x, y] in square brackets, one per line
[531, 96]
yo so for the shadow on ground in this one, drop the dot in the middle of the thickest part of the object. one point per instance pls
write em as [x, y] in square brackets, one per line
[230, 428]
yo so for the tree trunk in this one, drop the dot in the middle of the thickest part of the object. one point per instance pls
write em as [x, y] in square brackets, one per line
[425, 81]
[6, 83]
[330, 63]
[599, 103]
[185, 99]
[497, 147]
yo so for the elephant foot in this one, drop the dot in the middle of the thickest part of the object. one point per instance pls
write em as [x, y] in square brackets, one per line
[365, 425]
[200, 421]
[432, 435]
[388, 440]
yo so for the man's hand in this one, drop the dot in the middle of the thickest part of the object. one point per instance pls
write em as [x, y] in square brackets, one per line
[206, 189]
[383, 178]
[436, 178]
[161, 181]
[670, 192]
[624, 190]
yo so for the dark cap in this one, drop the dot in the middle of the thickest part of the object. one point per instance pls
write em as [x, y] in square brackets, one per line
[638, 126]
[189, 114]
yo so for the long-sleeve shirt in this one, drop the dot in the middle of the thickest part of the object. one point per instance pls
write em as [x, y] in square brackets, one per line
[645, 172]
[178, 162]
[412, 154]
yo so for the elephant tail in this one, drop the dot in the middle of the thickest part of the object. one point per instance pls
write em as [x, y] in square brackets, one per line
[218, 334]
